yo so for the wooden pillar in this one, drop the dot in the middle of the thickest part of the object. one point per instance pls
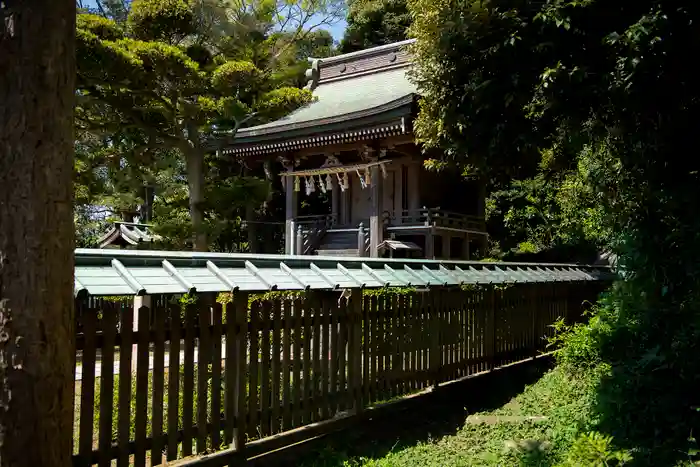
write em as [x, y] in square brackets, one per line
[446, 247]
[290, 210]
[344, 201]
[361, 240]
[466, 247]
[299, 248]
[430, 243]
[414, 172]
[335, 203]
[375, 221]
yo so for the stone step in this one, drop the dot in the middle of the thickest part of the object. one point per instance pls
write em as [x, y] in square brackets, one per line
[338, 246]
[341, 252]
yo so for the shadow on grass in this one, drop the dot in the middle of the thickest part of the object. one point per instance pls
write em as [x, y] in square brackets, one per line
[428, 417]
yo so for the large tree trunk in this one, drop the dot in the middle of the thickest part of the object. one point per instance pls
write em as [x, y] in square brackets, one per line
[37, 341]
[195, 181]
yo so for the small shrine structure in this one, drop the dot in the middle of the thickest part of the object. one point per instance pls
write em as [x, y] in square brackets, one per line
[125, 235]
[353, 148]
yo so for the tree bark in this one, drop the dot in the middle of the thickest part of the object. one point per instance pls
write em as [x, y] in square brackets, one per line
[195, 181]
[37, 341]
[251, 226]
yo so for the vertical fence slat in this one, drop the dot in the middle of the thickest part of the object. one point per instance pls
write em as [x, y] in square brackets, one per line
[188, 381]
[373, 349]
[491, 332]
[87, 383]
[158, 385]
[109, 330]
[254, 381]
[265, 369]
[333, 377]
[306, 363]
[286, 370]
[420, 334]
[325, 350]
[275, 367]
[230, 335]
[316, 379]
[412, 336]
[402, 347]
[456, 334]
[356, 357]
[394, 347]
[217, 315]
[142, 363]
[203, 358]
[173, 380]
[365, 349]
[239, 358]
[297, 419]
[434, 356]
[125, 350]
[342, 354]
[352, 351]
[447, 336]
[381, 347]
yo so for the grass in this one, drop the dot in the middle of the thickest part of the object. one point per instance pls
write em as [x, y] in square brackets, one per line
[534, 428]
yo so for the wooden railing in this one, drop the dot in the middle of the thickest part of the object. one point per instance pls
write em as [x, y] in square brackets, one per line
[436, 217]
[193, 379]
[327, 220]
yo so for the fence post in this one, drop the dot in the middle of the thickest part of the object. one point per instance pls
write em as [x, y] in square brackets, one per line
[356, 356]
[290, 238]
[139, 302]
[239, 333]
[535, 310]
[434, 318]
[491, 327]
[361, 240]
[299, 242]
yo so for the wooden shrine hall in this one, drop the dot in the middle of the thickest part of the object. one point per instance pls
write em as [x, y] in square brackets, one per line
[353, 176]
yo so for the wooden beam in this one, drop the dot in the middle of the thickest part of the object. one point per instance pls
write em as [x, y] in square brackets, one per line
[290, 204]
[395, 141]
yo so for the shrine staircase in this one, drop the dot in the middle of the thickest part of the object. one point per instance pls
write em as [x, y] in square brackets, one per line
[340, 242]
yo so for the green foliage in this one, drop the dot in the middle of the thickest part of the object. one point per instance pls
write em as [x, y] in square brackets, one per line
[100, 26]
[595, 450]
[161, 20]
[375, 22]
[236, 77]
[279, 102]
[389, 291]
[591, 95]
[535, 428]
[153, 95]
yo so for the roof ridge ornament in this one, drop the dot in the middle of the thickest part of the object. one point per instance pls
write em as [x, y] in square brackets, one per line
[313, 74]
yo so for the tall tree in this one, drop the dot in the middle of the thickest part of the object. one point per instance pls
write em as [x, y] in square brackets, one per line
[37, 341]
[155, 77]
[375, 22]
[603, 88]
[173, 73]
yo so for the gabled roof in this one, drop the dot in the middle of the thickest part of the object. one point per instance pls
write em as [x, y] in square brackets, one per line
[360, 95]
[126, 233]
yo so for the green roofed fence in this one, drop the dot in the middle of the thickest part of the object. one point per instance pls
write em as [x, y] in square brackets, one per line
[217, 376]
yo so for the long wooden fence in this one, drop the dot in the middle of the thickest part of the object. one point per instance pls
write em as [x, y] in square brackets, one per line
[211, 376]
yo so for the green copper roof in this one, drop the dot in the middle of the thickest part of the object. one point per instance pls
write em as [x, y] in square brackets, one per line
[340, 100]
[357, 96]
[135, 272]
